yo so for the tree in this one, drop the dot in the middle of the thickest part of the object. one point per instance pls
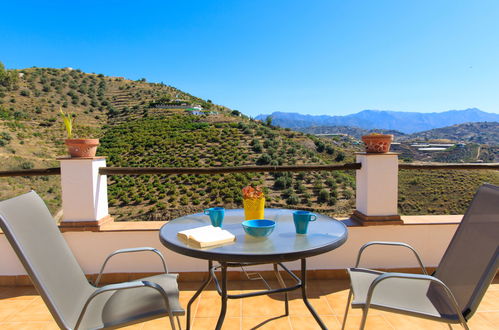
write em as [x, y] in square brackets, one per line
[340, 156]
[268, 121]
[8, 79]
[319, 146]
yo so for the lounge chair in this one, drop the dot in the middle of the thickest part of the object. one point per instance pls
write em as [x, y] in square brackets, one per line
[456, 288]
[55, 273]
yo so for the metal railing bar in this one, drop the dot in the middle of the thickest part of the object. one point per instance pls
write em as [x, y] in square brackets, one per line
[246, 169]
[32, 172]
[221, 170]
[463, 166]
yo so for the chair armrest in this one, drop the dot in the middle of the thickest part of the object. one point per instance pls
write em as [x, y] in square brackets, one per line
[130, 250]
[124, 286]
[390, 244]
[420, 277]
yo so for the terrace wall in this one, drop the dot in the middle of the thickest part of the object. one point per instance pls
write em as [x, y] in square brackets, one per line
[91, 248]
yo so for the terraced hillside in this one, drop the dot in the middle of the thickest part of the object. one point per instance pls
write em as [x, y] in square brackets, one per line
[134, 134]
[440, 192]
[31, 132]
[177, 140]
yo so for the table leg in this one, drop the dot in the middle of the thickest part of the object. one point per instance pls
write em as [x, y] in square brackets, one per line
[223, 296]
[198, 292]
[283, 285]
[304, 294]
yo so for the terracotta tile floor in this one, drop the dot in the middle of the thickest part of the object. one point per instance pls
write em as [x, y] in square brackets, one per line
[22, 308]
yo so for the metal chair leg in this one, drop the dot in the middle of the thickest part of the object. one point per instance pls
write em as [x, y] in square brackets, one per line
[178, 321]
[346, 309]
[172, 321]
[365, 310]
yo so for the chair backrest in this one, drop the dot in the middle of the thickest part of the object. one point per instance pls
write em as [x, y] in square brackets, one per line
[471, 260]
[37, 241]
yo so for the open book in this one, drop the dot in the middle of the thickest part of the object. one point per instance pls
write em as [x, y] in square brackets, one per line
[206, 236]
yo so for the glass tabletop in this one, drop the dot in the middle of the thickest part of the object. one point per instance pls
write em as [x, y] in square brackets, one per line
[283, 244]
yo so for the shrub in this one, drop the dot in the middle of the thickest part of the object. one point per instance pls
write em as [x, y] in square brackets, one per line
[347, 194]
[331, 182]
[293, 199]
[26, 165]
[257, 148]
[264, 159]
[283, 182]
[324, 196]
[330, 150]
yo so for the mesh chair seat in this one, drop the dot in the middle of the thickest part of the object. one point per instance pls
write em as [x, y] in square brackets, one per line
[127, 306]
[413, 297]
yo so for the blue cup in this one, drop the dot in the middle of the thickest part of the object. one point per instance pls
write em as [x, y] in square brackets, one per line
[301, 219]
[216, 215]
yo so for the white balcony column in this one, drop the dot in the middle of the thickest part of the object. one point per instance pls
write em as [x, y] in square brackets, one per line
[84, 194]
[377, 189]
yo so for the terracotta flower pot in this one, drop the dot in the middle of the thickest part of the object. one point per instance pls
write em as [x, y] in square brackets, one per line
[378, 143]
[82, 147]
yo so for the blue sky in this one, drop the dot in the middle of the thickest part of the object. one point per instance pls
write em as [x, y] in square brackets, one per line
[314, 57]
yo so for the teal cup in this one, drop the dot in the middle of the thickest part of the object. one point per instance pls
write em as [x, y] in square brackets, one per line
[216, 215]
[301, 219]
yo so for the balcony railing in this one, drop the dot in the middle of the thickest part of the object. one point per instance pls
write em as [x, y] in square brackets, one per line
[84, 191]
[248, 169]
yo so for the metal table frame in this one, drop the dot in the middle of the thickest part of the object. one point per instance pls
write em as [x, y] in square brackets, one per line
[238, 259]
[222, 290]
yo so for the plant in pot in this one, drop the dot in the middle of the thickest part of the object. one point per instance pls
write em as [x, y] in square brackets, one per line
[77, 148]
[377, 143]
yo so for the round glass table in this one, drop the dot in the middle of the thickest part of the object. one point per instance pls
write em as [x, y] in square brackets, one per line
[324, 234]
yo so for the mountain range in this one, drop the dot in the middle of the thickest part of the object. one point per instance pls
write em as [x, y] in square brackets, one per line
[406, 122]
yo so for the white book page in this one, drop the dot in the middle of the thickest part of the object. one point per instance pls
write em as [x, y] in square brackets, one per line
[205, 229]
[211, 236]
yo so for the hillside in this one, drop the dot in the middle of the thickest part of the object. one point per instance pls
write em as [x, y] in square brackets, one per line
[475, 142]
[406, 122]
[352, 131]
[135, 134]
[31, 133]
[174, 140]
[139, 125]
[476, 132]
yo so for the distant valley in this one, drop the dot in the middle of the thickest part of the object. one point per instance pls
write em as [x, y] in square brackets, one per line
[405, 122]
